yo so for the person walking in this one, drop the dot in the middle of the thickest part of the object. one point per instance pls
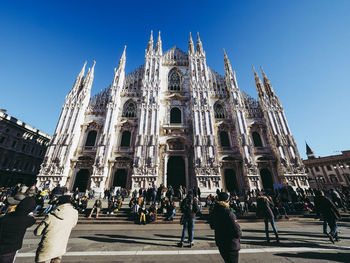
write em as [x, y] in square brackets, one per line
[13, 226]
[55, 230]
[329, 213]
[97, 206]
[189, 208]
[227, 229]
[265, 210]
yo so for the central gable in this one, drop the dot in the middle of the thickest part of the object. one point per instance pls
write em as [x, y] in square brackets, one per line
[175, 57]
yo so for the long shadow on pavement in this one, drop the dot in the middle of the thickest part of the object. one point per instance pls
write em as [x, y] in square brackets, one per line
[332, 257]
[119, 240]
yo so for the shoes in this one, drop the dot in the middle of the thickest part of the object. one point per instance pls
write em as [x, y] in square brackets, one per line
[89, 216]
[336, 239]
[268, 240]
[287, 217]
[96, 216]
[191, 244]
[331, 238]
[278, 240]
[112, 213]
[180, 244]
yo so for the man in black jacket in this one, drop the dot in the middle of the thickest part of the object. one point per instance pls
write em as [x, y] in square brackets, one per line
[330, 214]
[189, 208]
[13, 226]
[227, 230]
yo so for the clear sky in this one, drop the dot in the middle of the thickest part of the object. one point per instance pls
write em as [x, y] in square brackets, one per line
[302, 45]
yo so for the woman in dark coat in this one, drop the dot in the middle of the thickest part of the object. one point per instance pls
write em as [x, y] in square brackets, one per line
[13, 226]
[264, 210]
[227, 230]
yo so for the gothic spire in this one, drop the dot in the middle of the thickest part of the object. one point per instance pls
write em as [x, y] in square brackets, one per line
[310, 154]
[228, 67]
[80, 76]
[258, 84]
[90, 75]
[199, 45]
[190, 45]
[267, 82]
[159, 45]
[150, 42]
[122, 59]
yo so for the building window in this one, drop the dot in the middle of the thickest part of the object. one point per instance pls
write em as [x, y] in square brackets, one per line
[257, 139]
[2, 139]
[333, 178]
[91, 138]
[317, 168]
[329, 168]
[14, 143]
[224, 140]
[175, 115]
[129, 109]
[174, 81]
[126, 136]
[219, 111]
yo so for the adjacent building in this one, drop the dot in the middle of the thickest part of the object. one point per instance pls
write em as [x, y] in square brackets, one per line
[172, 121]
[22, 150]
[329, 172]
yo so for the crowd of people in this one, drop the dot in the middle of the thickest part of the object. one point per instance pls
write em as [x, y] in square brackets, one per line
[19, 205]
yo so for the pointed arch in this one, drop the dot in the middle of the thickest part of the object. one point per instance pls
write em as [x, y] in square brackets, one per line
[91, 138]
[174, 80]
[219, 110]
[125, 141]
[175, 115]
[129, 109]
[257, 139]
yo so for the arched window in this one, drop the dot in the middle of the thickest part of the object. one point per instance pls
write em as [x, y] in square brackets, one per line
[224, 140]
[129, 109]
[174, 82]
[257, 139]
[126, 136]
[219, 111]
[91, 138]
[175, 115]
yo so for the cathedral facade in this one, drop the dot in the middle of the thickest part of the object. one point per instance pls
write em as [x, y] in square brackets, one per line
[172, 121]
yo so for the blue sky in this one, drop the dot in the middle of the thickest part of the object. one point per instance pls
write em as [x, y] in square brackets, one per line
[302, 45]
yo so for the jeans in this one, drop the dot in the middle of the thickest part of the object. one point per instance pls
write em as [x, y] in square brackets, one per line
[188, 227]
[229, 256]
[272, 222]
[325, 224]
[171, 217]
[37, 208]
[334, 227]
[8, 257]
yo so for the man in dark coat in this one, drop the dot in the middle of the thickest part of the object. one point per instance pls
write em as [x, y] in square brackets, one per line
[227, 230]
[264, 210]
[330, 214]
[13, 226]
[189, 208]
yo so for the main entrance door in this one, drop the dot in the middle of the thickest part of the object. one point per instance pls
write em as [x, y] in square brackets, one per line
[120, 178]
[176, 174]
[266, 178]
[231, 181]
[81, 180]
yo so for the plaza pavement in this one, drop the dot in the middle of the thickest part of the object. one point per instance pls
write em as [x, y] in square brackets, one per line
[301, 241]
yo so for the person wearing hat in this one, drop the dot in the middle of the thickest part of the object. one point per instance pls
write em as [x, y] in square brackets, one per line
[227, 229]
[55, 230]
[13, 226]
